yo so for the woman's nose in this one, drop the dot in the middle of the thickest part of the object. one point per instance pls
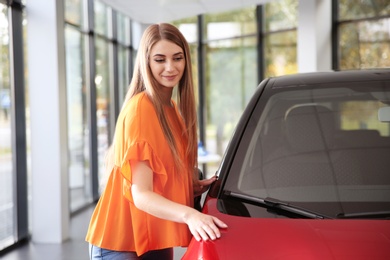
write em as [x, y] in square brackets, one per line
[169, 65]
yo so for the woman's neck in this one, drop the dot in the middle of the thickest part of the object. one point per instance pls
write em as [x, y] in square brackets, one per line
[166, 96]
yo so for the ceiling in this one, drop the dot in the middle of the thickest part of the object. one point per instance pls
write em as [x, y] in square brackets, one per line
[155, 11]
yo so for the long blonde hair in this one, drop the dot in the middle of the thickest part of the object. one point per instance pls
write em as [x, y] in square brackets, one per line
[143, 81]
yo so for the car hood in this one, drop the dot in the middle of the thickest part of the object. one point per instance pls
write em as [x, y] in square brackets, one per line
[263, 238]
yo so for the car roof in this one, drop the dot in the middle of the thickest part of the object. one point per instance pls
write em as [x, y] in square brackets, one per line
[312, 78]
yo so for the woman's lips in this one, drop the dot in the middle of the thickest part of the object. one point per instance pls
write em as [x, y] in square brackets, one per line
[170, 78]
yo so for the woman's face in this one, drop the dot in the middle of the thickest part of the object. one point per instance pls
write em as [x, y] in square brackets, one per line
[167, 63]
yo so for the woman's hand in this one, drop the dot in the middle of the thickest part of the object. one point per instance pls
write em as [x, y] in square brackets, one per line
[204, 227]
[201, 186]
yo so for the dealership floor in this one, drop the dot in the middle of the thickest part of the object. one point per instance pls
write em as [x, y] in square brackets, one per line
[73, 249]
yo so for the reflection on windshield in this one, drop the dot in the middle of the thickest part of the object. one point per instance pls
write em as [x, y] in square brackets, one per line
[322, 149]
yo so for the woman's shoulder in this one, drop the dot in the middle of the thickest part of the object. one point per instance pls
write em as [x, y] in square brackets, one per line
[139, 103]
[138, 109]
[140, 99]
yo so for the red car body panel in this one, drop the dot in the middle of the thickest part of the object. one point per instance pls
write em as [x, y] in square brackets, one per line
[267, 238]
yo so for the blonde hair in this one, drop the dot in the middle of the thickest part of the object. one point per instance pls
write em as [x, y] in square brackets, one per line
[143, 81]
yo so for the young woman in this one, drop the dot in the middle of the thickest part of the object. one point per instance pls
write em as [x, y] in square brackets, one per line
[146, 208]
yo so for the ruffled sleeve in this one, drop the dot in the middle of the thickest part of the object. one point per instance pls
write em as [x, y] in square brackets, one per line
[141, 151]
[139, 137]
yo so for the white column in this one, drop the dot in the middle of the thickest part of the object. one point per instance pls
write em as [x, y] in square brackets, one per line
[47, 99]
[314, 35]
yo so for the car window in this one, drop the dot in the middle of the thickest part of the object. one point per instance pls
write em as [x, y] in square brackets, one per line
[321, 147]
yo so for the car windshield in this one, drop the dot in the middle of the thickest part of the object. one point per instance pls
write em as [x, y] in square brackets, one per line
[324, 148]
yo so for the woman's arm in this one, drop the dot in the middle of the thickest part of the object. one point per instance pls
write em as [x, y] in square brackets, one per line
[202, 226]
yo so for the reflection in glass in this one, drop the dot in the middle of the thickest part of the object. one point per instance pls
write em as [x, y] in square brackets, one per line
[102, 83]
[7, 212]
[319, 145]
[78, 129]
[363, 114]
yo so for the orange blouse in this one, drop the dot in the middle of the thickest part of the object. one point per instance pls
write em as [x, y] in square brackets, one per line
[116, 223]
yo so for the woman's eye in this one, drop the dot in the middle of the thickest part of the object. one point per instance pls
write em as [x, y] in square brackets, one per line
[159, 60]
[178, 58]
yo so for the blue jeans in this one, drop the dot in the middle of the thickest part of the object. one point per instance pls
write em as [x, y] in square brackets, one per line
[97, 253]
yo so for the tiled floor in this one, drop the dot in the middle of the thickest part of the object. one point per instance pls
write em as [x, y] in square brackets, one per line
[73, 249]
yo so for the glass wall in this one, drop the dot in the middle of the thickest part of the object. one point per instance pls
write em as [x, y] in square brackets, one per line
[74, 12]
[7, 203]
[77, 110]
[364, 34]
[189, 28]
[124, 44]
[14, 197]
[102, 83]
[78, 129]
[230, 66]
[103, 80]
[98, 55]
[280, 37]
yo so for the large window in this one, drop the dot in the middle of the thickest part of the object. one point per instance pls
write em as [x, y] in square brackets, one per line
[189, 28]
[77, 110]
[230, 72]
[13, 126]
[364, 34]
[74, 12]
[280, 37]
[98, 73]
[124, 45]
[78, 129]
[102, 83]
[103, 65]
[7, 203]
[229, 63]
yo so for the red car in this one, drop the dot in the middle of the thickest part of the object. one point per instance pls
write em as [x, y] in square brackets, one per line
[307, 172]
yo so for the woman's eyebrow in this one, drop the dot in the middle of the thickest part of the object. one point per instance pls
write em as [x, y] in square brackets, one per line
[163, 55]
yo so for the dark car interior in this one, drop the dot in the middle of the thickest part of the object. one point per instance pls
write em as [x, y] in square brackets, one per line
[309, 150]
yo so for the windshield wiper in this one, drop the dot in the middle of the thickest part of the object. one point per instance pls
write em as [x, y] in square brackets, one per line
[369, 215]
[277, 204]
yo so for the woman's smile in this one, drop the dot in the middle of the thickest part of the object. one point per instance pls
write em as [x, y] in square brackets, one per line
[170, 77]
[167, 63]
